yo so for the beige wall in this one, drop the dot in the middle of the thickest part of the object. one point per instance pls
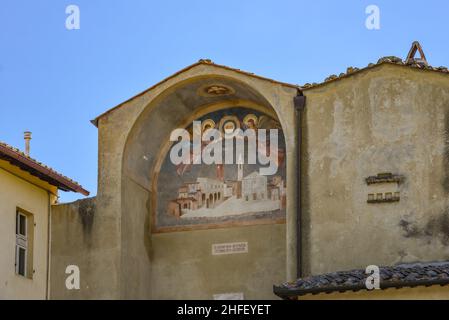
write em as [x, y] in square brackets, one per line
[74, 243]
[386, 119]
[120, 258]
[164, 261]
[184, 268]
[180, 265]
[436, 292]
[17, 192]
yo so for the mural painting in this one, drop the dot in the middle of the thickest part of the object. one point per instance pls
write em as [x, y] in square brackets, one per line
[198, 196]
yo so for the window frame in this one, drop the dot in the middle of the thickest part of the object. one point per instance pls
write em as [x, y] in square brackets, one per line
[24, 242]
[21, 243]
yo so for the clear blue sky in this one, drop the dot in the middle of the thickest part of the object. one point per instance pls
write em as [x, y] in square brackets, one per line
[53, 81]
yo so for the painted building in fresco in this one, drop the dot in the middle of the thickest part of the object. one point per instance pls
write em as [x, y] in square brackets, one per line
[361, 180]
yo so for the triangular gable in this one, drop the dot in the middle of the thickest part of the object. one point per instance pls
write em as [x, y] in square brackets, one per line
[200, 62]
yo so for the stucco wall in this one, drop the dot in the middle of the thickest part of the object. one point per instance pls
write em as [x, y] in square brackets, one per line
[119, 257]
[387, 119]
[184, 267]
[76, 240]
[18, 193]
[180, 265]
[136, 243]
[417, 293]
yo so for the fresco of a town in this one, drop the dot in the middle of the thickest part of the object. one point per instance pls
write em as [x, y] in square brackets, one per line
[201, 195]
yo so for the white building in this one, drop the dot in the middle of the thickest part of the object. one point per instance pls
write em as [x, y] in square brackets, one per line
[213, 191]
[254, 187]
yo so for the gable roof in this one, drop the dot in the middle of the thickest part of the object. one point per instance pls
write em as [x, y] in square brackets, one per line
[200, 62]
[392, 60]
[19, 159]
[410, 62]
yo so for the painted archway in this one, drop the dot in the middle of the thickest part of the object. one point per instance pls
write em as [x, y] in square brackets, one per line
[180, 255]
[227, 186]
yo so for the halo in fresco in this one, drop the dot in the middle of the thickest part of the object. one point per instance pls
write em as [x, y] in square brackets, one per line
[251, 121]
[229, 124]
[207, 124]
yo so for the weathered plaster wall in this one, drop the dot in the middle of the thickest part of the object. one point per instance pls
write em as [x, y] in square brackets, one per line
[118, 256]
[184, 268]
[76, 240]
[180, 265]
[417, 293]
[387, 119]
[136, 243]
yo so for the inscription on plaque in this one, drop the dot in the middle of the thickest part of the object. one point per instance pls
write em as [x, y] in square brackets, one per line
[228, 296]
[229, 248]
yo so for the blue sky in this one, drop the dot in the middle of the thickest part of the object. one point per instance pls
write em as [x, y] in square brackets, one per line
[53, 81]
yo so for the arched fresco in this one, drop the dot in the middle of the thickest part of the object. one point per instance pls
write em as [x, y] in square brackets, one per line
[200, 195]
[120, 256]
[153, 248]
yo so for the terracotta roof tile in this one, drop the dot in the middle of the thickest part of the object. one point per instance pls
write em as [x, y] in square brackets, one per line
[38, 169]
[385, 60]
[404, 275]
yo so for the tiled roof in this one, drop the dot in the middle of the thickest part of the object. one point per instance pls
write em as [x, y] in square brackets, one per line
[404, 275]
[385, 60]
[349, 72]
[38, 169]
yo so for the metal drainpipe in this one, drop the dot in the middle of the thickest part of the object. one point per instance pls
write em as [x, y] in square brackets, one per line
[47, 293]
[300, 104]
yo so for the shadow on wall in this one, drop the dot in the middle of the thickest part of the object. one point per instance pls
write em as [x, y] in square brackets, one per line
[445, 181]
[64, 216]
[436, 227]
[86, 210]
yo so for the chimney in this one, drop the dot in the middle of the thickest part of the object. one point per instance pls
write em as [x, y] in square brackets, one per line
[27, 137]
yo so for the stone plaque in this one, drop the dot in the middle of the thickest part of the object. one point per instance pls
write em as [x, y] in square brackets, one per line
[229, 248]
[228, 296]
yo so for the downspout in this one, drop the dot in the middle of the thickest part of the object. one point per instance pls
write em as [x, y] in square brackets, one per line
[47, 294]
[299, 104]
